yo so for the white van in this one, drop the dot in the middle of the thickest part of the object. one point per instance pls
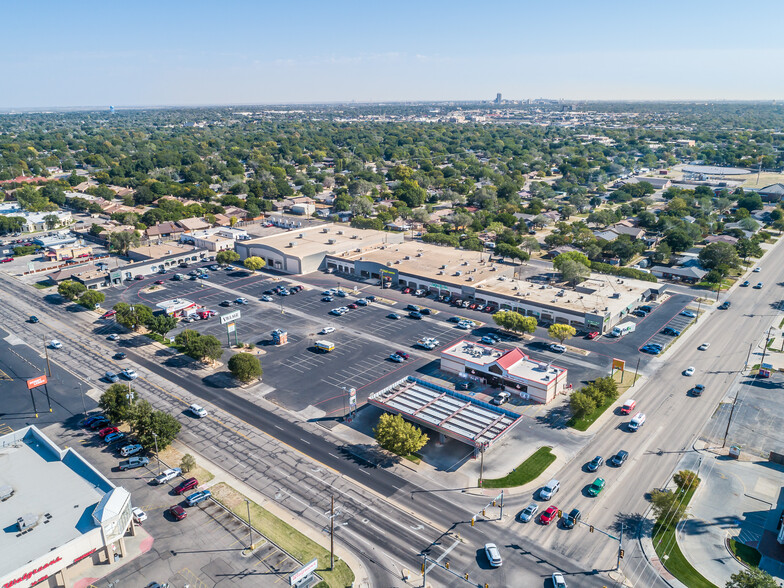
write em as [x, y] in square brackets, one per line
[549, 489]
[637, 422]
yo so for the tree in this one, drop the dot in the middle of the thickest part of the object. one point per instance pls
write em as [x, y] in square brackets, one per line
[751, 202]
[561, 332]
[505, 250]
[581, 404]
[246, 367]
[514, 321]
[96, 229]
[91, 298]
[686, 480]
[397, 435]
[254, 263]
[529, 244]
[71, 290]
[411, 193]
[678, 240]
[717, 254]
[132, 317]
[748, 224]
[198, 346]
[115, 402]
[668, 507]
[562, 258]
[541, 220]
[51, 220]
[227, 257]
[663, 253]
[751, 578]
[122, 241]
[574, 271]
[161, 324]
[361, 206]
[151, 426]
[187, 463]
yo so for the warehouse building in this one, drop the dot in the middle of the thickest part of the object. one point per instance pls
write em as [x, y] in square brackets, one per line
[54, 532]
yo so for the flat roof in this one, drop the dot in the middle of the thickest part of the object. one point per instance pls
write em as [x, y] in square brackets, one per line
[30, 463]
[332, 239]
[455, 415]
[154, 251]
[175, 304]
[514, 361]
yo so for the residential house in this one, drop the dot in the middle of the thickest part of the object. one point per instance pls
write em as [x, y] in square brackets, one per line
[193, 224]
[689, 275]
[721, 239]
[164, 231]
[556, 251]
[772, 193]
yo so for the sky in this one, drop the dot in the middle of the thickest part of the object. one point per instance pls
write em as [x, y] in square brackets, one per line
[171, 52]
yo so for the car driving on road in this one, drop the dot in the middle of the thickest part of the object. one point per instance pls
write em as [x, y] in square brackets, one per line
[528, 512]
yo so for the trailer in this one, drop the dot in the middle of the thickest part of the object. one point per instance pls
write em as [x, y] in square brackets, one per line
[325, 346]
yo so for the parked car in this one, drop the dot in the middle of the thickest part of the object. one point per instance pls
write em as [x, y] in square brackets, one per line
[108, 314]
[98, 422]
[557, 348]
[393, 316]
[501, 398]
[464, 385]
[134, 462]
[689, 313]
[353, 306]
[528, 512]
[267, 298]
[396, 358]
[111, 438]
[129, 450]
[226, 303]
[415, 315]
[198, 497]
[138, 515]
[107, 431]
[139, 277]
[670, 331]
[186, 485]
[177, 512]
[241, 301]
[402, 354]
[592, 335]
[167, 475]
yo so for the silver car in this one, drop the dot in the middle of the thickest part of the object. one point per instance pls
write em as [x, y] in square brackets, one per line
[528, 512]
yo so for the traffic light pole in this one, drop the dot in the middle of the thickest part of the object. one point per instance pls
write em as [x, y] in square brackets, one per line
[620, 550]
[445, 566]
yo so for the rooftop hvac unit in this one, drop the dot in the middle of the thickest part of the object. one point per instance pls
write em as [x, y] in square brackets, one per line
[355, 236]
[440, 272]
[27, 521]
[325, 230]
[397, 261]
[301, 236]
[470, 278]
[458, 273]
[443, 266]
[407, 257]
[340, 232]
[389, 263]
[357, 250]
[6, 492]
[331, 241]
[292, 244]
[419, 255]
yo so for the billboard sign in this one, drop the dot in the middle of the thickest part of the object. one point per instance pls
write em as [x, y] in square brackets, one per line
[301, 574]
[231, 327]
[35, 382]
[230, 316]
[618, 364]
[352, 398]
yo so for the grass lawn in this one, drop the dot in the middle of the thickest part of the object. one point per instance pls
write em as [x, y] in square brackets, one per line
[43, 284]
[173, 457]
[671, 556]
[527, 471]
[746, 554]
[624, 383]
[287, 537]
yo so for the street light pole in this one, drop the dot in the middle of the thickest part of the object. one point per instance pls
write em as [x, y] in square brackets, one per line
[155, 436]
[81, 393]
[332, 535]
[250, 527]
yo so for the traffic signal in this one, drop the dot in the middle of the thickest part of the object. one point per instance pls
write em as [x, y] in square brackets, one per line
[620, 554]
[423, 568]
[493, 502]
[560, 514]
[483, 512]
[473, 520]
[446, 565]
[591, 528]
[466, 575]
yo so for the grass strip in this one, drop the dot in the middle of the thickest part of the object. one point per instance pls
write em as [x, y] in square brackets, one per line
[748, 555]
[625, 381]
[526, 472]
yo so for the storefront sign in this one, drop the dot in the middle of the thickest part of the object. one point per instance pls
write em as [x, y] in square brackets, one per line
[35, 382]
[84, 555]
[31, 573]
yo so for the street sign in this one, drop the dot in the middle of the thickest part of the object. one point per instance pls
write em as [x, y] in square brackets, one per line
[302, 573]
[618, 364]
[230, 316]
[35, 382]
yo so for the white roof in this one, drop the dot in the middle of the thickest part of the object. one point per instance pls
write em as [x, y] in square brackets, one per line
[111, 505]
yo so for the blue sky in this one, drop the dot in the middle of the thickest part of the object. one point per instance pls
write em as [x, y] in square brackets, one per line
[83, 53]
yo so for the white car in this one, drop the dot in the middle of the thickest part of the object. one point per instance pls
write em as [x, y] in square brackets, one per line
[113, 337]
[129, 450]
[558, 580]
[493, 555]
[138, 514]
[167, 475]
[465, 325]
[528, 512]
[704, 346]
[55, 344]
[129, 374]
[327, 330]
[689, 371]
[198, 411]
[757, 269]
[557, 348]
[266, 298]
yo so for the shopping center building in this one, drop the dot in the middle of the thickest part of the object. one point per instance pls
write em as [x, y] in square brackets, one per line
[59, 514]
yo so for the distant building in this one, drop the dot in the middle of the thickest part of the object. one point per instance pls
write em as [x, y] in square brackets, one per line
[690, 275]
[772, 193]
[498, 98]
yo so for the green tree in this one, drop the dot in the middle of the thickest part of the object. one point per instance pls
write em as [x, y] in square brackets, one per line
[561, 332]
[123, 241]
[397, 435]
[51, 221]
[668, 507]
[227, 257]
[361, 206]
[115, 402]
[574, 271]
[132, 317]
[748, 224]
[91, 298]
[150, 425]
[686, 480]
[663, 253]
[96, 229]
[71, 290]
[161, 324]
[411, 193]
[581, 404]
[751, 578]
[529, 244]
[717, 254]
[514, 321]
[187, 463]
[678, 240]
[198, 346]
[254, 263]
[505, 250]
[246, 367]
[567, 256]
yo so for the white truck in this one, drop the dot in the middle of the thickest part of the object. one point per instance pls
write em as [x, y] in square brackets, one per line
[622, 329]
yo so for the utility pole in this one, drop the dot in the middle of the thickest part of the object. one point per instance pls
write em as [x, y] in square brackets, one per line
[765, 348]
[635, 372]
[250, 527]
[332, 535]
[81, 393]
[729, 420]
[481, 463]
[620, 550]
[46, 351]
[699, 306]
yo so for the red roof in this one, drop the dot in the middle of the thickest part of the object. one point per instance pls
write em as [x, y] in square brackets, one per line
[510, 358]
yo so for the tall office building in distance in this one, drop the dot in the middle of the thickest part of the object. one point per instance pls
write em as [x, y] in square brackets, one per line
[498, 98]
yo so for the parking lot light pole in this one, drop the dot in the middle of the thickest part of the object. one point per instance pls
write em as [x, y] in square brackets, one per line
[157, 456]
[250, 527]
[81, 393]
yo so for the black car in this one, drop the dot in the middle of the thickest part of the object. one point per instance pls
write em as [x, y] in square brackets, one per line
[697, 390]
[119, 355]
[226, 303]
[725, 305]
[645, 308]
[425, 311]
[33, 319]
[415, 315]
[619, 458]
[640, 313]
[464, 385]
[570, 520]
[671, 331]
[269, 292]
[595, 463]
[454, 319]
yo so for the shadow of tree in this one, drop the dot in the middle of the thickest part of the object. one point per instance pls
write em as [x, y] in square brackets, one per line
[555, 417]
[221, 380]
[632, 523]
[368, 455]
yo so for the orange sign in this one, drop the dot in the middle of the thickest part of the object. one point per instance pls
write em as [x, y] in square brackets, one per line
[35, 382]
[618, 364]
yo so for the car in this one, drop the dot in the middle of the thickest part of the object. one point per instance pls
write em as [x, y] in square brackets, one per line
[493, 555]
[646, 308]
[97, 422]
[177, 512]
[394, 316]
[241, 301]
[697, 390]
[396, 358]
[55, 344]
[129, 374]
[419, 292]
[336, 312]
[406, 290]
[85, 422]
[6, 259]
[158, 282]
[226, 303]
[454, 319]
[704, 346]
[186, 485]
[425, 311]
[670, 331]
[549, 490]
[266, 298]
[548, 515]
[557, 348]
[640, 313]
[129, 450]
[501, 398]
[689, 371]
[134, 462]
[353, 306]
[111, 438]
[198, 497]
[487, 340]
[620, 458]
[595, 463]
[138, 515]
[327, 299]
[340, 293]
[107, 431]
[558, 580]
[758, 286]
[402, 354]
[571, 520]
[464, 385]
[757, 269]
[111, 377]
[415, 315]
[108, 314]
[33, 319]
[592, 335]
[167, 475]
[596, 488]
[139, 277]
[413, 307]
[327, 330]
[362, 302]
[204, 277]
[528, 512]
[689, 313]
[197, 411]
[465, 325]
[725, 305]
[480, 307]
[214, 267]
[370, 298]
[326, 293]
[745, 284]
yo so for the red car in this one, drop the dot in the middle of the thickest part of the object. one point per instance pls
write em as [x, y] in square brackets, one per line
[159, 282]
[109, 314]
[592, 335]
[406, 290]
[549, 515]
[188, 484]
[177, 512]
[139, 277]
[108, 431]
[402, 354]
[472, 306]
[6, 259]
[353, 306]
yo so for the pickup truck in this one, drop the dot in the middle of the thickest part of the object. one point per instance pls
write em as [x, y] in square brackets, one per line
[167, 475]
[134, 462]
